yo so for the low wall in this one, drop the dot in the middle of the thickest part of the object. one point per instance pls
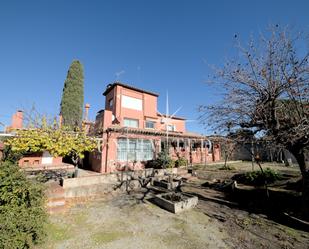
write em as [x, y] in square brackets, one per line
[88, 180]
[105, 183]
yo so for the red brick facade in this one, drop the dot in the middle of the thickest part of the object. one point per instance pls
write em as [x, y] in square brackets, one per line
[131, 121]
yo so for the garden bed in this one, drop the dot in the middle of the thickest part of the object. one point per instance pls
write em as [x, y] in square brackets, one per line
[176, 202]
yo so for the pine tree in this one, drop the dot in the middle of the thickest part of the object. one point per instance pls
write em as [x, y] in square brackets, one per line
[73, 96]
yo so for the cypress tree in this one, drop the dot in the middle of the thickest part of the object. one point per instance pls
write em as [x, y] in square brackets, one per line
[73, 96]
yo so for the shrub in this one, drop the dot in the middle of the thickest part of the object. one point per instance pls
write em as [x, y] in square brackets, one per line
[11, 156]
[181, 161]
[257, 178]
[22, 213]
[162, 162]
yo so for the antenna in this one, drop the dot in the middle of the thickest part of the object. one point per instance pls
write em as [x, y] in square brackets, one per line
[167, 119]
[118, 74]
[167, 123]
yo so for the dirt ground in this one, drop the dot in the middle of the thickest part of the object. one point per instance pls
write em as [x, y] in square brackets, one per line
[123, 221]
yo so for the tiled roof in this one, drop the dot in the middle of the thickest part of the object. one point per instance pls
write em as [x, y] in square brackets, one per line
[111, 86]
[174, 117]
[117, 128]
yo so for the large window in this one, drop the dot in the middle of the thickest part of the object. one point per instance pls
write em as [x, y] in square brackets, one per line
[150, 124]
[132, 103]
[128, 122]
[134, 149]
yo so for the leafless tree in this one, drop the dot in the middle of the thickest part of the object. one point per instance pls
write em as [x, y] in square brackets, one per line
[266, 90]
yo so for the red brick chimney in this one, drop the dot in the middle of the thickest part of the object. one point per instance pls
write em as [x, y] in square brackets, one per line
[87, 106]
[17, 120]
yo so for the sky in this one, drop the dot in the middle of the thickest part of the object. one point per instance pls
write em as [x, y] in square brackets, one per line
[160, 46]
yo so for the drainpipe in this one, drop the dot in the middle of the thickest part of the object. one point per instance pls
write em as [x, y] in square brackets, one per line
[107, 146]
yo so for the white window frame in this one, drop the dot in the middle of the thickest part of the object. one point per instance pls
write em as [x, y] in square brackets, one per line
[132, 103]
[132, 149]
[129, 120]
[171, 127]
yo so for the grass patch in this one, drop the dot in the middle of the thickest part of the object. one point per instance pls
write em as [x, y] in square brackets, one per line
[80, 218]
[179, 224]
[227, 167]
[106, 237]
[57, 233]
[257, 178]
[292, 232]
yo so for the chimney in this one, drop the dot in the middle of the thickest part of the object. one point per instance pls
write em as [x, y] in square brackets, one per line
[60, 120]
[17, 120]
[87, 106]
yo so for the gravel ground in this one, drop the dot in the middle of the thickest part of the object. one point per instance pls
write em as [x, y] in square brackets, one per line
[121, 222]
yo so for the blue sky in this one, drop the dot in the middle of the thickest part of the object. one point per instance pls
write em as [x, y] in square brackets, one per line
[155, 45]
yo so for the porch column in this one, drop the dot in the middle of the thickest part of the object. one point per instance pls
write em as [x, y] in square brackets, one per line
[190, 152]
[202, 151]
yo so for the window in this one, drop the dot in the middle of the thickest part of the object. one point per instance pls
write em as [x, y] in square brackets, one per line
[171, 128]
[110, 103]
[134, 149]
[131, 103]
[133, 123]
[150, 124]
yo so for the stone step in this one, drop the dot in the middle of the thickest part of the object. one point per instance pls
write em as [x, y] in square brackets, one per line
[54, 190]
[55, 198]
[54, 202]
[56, 209]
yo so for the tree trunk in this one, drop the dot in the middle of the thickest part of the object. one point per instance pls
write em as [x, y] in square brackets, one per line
[300, 157]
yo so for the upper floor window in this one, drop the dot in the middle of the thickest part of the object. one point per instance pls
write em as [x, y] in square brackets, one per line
[133, 123]
[150, 124]
[132, 103]
[171, 128]
[111, 103]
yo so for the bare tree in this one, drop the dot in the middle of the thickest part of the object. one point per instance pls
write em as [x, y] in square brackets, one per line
[266, 90]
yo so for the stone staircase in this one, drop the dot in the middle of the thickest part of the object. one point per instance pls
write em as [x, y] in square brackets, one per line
[55, 198]
[183, 173]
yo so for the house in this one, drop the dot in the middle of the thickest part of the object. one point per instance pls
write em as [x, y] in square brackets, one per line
[39, 160]
[132, 131]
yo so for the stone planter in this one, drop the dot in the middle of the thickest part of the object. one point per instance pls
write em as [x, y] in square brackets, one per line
[166, 184]
[176, 203]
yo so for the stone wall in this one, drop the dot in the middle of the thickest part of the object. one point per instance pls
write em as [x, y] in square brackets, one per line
[105, 183]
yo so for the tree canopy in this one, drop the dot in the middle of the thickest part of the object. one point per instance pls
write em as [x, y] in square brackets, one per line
[58, 142]
[266, 90]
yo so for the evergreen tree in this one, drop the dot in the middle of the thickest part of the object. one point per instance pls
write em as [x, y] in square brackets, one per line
[73, 96]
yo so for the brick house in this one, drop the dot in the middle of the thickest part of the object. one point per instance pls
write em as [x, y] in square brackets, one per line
[37, 160]
[132, 131]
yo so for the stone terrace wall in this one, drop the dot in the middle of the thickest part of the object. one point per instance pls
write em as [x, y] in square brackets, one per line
[105, 183]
